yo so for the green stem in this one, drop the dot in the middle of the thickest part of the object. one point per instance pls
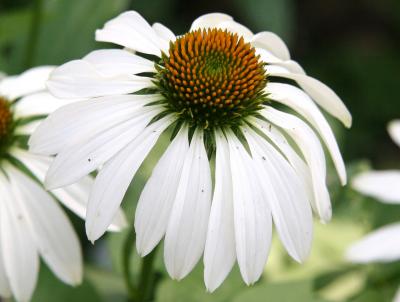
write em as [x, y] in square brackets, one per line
[34, 33]
[142, 292]
[126, 258]
[146, 281]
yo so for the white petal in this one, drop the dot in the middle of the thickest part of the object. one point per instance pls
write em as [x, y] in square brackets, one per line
[382, 185]
[321, 93]
[81, 79]
[187, 228]
[312, 151]
[19, 252]
[32, 80]
[5, 290]
[286, 196]
[76, 122]
[299, 101]
[75, 197]
[131, 30]
[164, 32]
[51, 230]
[79, 160]
[382, 245]
[277, 64]
[252, 216]
[292, 156]
[28, 129]
[271, 42]
[397, 296]
[114, 62]
[209, 21]
[41, 103]
[157, 198]
[236, 28]
[394, 131]
[114, 178]
[219, 253]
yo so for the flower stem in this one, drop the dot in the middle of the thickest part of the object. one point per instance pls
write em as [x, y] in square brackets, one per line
[146, 281]
[142, 291]
[34, 33]
[126, 258]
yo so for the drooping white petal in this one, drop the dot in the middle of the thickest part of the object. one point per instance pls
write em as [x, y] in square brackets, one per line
[50, 228]
[164, 32]
[5, 290]
[75, 197]
[81, 79]
[286, 196]
[187, 228]
[394, 131]
[41, 103]
[252, 216]
[312, 151]
[269, 58]
[114, 62]
[114, 178]
[209, 21]
[292, 156]
[79, 121]
[382, 245]
[79, 160]
[19, 252]
[321, 93]
[219, 253]
[131, 30]
[30, 81]
[271, 42]
[157, 198]
[382, 185]
[296, 99]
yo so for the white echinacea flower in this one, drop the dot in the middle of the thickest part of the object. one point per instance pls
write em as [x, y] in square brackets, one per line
[216, 88]
[31, 221]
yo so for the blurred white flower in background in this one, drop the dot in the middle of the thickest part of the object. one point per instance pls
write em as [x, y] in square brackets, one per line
[383, 244]
[216, 87]
[31, 221]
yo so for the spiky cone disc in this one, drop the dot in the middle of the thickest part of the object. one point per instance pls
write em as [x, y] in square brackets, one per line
[212, 78]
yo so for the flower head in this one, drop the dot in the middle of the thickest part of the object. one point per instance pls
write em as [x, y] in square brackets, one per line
[214, 89]
[31, 221]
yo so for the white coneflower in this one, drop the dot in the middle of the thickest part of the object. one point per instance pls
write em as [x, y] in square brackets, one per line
[31, 221]
[217, 86]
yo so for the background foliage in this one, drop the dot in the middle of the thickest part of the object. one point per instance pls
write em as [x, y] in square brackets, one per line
[353, 46]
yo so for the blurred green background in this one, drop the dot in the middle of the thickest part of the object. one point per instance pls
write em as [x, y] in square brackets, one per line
[353, 46]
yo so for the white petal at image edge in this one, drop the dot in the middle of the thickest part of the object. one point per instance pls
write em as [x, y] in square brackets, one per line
[382, 245]
[382, 185]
